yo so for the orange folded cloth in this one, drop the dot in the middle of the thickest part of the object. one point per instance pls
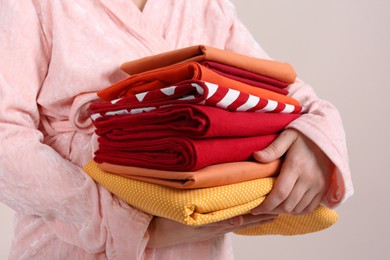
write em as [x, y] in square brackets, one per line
[170, 75]
[211, 176]
[273, 69]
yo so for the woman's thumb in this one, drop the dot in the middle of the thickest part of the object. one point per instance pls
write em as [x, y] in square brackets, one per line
[277, 148]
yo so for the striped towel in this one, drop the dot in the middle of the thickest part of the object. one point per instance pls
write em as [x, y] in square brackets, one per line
[191, 92]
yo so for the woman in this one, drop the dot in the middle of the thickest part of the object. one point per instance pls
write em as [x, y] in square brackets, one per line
[55, 56]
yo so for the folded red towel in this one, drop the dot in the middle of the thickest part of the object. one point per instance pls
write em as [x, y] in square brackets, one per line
[195, 121]
[179, 153]
[247, 77]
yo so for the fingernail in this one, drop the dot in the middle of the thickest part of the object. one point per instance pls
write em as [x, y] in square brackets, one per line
[257, 153]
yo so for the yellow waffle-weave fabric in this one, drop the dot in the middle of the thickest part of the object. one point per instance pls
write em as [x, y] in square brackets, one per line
[289, 225]
[203, 206]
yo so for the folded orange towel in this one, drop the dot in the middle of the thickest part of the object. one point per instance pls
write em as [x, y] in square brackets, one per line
[173, 74]
[270, 68]
[210, 176]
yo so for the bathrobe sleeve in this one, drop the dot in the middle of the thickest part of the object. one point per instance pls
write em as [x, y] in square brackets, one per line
[322, 123]
[34, 179]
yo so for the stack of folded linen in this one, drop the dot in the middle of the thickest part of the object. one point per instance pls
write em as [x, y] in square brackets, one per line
[176, 137]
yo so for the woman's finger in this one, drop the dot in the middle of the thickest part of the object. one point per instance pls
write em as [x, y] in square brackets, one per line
[297, 194]
[283, 186]
[277, 148]
[311, 206]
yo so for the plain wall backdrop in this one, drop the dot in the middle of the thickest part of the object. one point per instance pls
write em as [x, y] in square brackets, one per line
[340, 48]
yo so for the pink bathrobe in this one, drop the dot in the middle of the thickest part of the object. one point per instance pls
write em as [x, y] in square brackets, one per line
[54, 56]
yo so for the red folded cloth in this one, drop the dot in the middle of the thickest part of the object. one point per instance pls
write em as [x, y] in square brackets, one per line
[247, 77]
[179, 153]
[194, 121]
[173, 74]
[191, 92]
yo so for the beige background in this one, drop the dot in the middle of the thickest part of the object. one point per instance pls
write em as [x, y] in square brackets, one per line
[341, 48]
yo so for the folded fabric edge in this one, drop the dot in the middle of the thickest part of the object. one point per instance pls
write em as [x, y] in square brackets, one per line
[291, 225]
[193, 213]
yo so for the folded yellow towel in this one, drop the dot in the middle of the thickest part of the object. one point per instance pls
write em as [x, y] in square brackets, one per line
[203, 206]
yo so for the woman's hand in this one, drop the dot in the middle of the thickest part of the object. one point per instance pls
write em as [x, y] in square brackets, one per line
[164, 232]
[304, 177]
[299, 189]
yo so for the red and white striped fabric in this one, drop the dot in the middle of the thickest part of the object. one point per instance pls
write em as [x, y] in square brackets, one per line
[191, 92]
